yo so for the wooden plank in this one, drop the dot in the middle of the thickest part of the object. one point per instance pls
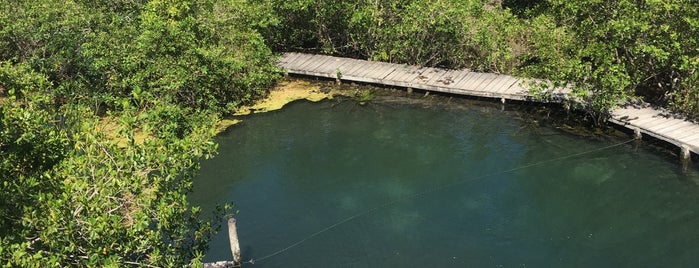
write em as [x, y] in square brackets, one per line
[346, 68]
[429, 74]
[446, 79]
[438, 79]
[517, 89]
[343, 64]
[496, 85]
[650, 121]
[514, 87]
[662, 126]
[467, 80]
[288, 58]
[693, 141]
[477, 82]
[381, 71]
[410, 77]
[304, 64]
[645, 119]
[368, 68]
[684, 132]
[329, 66]
[353, 71]
[420, 76]
[387, 69]
[460, 77]
[293, 64]
[389, 73]
[675, 127]
[503, 84]
[399, 72]
[472, 84]
[319, 64]
[300, 61]
[487, 80]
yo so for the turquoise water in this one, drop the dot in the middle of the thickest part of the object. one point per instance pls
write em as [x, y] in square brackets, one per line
[416, 184]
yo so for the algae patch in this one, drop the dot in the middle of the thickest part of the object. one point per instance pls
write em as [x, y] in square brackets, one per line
[287, 91]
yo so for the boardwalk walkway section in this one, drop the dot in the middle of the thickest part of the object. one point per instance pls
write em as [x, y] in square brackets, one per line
[642, 119]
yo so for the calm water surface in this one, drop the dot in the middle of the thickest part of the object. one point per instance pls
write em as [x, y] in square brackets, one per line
[444, 186]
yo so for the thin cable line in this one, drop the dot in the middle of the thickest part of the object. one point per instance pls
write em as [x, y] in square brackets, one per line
[411, 196]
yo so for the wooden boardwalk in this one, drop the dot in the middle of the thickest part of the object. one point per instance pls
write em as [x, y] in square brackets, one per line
[641, 119]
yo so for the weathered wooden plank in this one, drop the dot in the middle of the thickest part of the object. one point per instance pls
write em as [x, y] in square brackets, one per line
[330, 66]
[673, 128]
[427, 75]
[496, 85]
[487, 80]
[368, 69]
[319, 66]
[684, 132]
[387, 69]
[299, 61]
[468, 79]
[644, 118]
[343, 65]
[460, 77]
[512, 88]
[400, 72]
[381, 71]
[503, 83]
[446, 79]
[666, 124]
[472, 84]
[650, 122]
[353, 71]
[287, 59]
[438, 79]
[303, 64]
[346, 67]
[410, 76]
[692, 141]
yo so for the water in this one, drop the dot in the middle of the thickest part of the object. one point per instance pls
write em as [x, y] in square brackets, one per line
[444, 186]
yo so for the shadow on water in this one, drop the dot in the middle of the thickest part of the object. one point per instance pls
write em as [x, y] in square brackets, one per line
[414, 182]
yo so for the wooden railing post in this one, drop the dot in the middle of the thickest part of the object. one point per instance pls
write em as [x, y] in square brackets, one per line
[233, 237]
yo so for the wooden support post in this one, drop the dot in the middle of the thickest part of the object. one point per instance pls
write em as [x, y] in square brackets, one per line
[637, 133]
[410, 90]
[502, 106]
[233, 238]
[685, 154]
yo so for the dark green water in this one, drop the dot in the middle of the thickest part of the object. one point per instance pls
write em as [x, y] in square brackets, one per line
[444, 187]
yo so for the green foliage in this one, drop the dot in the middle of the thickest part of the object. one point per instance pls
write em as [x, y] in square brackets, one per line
[316, 25]
[72, 194]
[201, 54]
[94, 203]
[608, 51]
[620, 49]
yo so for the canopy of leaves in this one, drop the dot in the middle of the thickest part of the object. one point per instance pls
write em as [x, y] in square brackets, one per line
[76, 193]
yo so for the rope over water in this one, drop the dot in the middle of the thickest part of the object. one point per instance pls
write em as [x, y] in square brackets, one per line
[408, 197]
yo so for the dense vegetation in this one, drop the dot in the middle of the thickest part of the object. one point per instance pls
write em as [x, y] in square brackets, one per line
[617, 50]
[107, 106]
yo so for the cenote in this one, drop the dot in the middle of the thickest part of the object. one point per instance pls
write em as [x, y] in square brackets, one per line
[406, 183]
